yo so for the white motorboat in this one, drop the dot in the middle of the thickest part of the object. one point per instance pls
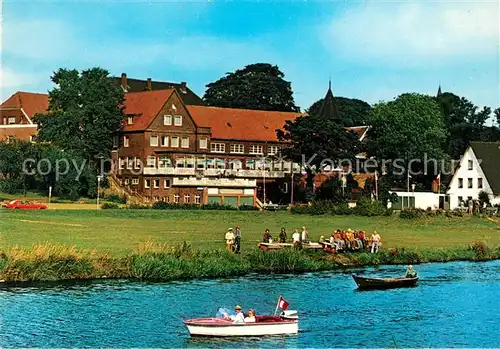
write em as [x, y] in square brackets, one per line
[285, 323]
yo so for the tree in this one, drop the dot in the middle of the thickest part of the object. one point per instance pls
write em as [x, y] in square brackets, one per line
[497, 115]
[408, 128]
[315, 142]
[353, 112]
[85, 109]
[257, 86]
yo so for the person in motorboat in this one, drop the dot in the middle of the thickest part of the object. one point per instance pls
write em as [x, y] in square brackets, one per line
[236, 318]
[267, 237]
[251, 316]
[410, 272]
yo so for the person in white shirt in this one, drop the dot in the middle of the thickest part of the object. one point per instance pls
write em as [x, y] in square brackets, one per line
[296, 237]
[251, 316]
[238, 317]
[229, 239]
[305, 235]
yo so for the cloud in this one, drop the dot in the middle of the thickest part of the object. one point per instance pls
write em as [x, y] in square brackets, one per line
[416, 32]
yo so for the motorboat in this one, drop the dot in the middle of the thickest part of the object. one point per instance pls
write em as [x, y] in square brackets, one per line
[285, 323]
[379, 283]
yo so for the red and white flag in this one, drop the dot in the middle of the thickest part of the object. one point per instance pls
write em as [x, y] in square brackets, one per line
[283, 304]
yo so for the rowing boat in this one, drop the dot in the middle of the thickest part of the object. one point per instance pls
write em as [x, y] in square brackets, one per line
[378, 283]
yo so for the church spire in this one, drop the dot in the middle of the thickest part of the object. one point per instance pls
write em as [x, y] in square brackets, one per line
[329, 107]
[439, 93]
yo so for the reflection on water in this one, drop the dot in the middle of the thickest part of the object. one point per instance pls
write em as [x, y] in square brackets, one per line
[455, 304]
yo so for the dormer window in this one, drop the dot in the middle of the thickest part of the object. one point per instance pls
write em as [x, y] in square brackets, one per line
[178, 120]
[167, 120]
[130, 120]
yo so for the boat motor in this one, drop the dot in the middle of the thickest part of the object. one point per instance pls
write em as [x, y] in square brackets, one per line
[289, 315]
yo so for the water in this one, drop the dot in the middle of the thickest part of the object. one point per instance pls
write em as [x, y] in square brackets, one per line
[455, 305]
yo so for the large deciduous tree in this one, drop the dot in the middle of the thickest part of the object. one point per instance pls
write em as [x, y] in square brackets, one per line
[353, 112]
[257, 86]
[316, 141]
[408, 128]
[85, 109]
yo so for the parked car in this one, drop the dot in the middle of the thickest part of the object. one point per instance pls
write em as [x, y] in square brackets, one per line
[25, 205]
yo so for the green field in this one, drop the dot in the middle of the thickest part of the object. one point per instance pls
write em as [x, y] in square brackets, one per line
[121, 231]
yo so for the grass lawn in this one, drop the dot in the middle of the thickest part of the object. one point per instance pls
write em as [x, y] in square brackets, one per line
[121, 231]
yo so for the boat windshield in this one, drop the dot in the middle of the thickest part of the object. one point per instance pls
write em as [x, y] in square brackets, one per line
[224, 311]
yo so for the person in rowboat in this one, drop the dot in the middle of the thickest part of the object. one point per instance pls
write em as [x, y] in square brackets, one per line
[410, 272]
[251, 316]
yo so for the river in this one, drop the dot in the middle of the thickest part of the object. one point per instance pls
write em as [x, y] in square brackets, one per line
[455, 305]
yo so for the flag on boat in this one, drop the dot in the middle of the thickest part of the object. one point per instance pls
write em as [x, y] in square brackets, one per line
[283, 304]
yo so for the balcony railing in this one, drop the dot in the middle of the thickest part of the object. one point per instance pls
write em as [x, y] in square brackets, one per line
[215, 182]
[214, 172]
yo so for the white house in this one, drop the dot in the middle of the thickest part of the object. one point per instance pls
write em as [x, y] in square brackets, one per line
[479, 170]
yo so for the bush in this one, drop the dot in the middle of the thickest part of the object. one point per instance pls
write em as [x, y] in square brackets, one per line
[116, 198]
[367, 207]
[247, 208]
[138, 207]
[110, 206]
[412, 213]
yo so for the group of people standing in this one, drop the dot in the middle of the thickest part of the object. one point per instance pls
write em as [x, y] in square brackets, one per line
[354, 240]
[233, 239]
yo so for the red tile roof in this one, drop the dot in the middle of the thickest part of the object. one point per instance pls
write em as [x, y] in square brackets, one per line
[147, 104]
[245, 124]
[31, 103]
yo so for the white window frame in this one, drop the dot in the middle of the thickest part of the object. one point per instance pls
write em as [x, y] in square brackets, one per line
[164, 141]
[174, 142]
[186, 196]
[273, 150]
[152, 141]
[147, 182]
[156, 183]
[176, 198]
[126, 141]
[203, 143]
[151, 161]
[130, 163]
[184, 142]
[197, 199]
[130, 120]
[167, 120]
[121, 163]
[256, 149]
[216, 147]
[126, 181]
[11, 120]
[135, 181]
[237, 149]
[137, 163]
[166, 183]
[177, 120]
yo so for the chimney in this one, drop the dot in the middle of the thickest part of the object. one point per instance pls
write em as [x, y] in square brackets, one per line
[149, 86]
[124, 82]
[183, 87]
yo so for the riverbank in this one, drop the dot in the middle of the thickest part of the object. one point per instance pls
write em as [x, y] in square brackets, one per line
[159, 262]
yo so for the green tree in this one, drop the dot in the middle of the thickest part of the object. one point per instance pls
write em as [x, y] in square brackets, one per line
[496, 112]
[257, 86]
[408, 128]
[85, 109]
[315, 142]
[353, 112]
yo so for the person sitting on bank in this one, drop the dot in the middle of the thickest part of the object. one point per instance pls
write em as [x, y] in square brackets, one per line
[236, 318]
[251, 316]
[296, 237]
[267, 237]
[410, 272]
[361, 239]
[283, 236]
[337, 240]
[229, 239]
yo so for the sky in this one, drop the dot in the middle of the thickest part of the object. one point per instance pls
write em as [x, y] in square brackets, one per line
[373, 51]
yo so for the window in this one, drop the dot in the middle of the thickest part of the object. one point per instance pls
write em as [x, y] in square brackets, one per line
[273, 150]
[250, 164]
[220, 163]
[32, 139]
[166, 183]
[153, 141]
[176, 198]
[115, 141]
[11, 120]
[147, 183]
[178, 120]
[256, 149]
[126, 181]
[137, 163]
[130, 120]
[460, 183]
[197, 199]
[217, 147]
[156, 183]
[164, 141]
[480, 183]
[203, 143]
[130, 163]
[469, 183]
[151, 161]
[164, 162]
[186, 199]
[237, 148]
[166, 199]
[185, 142]
[174, 142]
[470, 162]
[125, 141]
[167, 120]
[135, 181]
[121, 163]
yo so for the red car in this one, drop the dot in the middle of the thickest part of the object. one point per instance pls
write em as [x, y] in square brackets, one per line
[25, 205]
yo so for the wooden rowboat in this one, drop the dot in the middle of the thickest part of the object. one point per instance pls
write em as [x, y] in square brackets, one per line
[378, 283]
